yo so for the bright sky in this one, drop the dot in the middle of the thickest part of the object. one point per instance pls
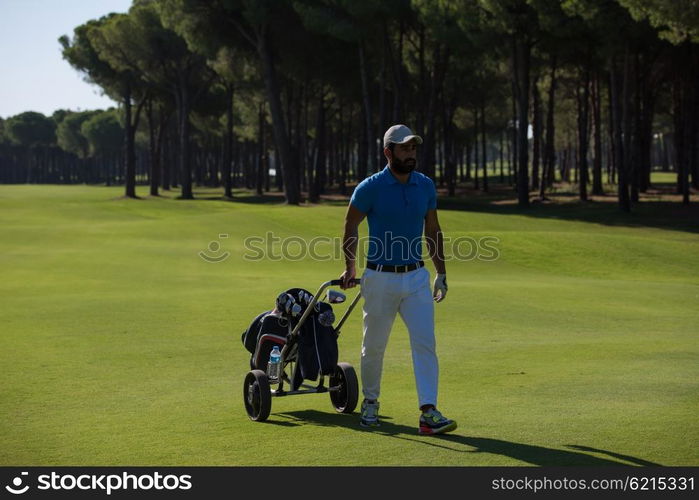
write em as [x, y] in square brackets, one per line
[33, 74]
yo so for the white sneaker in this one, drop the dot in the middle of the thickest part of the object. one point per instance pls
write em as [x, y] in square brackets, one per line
[370, 414]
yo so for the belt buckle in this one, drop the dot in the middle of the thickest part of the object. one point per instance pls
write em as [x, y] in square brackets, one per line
[403, 268]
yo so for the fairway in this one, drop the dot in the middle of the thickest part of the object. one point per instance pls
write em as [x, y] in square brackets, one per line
[119, 345]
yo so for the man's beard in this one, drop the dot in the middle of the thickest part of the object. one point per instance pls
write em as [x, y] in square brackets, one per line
[403, 167]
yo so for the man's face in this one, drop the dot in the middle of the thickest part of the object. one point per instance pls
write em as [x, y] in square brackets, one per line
[403, 159]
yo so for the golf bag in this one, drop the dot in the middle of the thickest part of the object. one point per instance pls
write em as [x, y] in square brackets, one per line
[266, 331]
[317, 340]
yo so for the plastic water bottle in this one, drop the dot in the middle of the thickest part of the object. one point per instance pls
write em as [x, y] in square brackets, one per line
[275, 364]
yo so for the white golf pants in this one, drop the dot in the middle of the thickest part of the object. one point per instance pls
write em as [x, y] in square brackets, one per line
[409, 294]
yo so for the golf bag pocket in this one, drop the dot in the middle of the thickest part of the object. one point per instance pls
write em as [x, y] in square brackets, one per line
[318, 351]
[250, 335]
[265, 345]
[272, 331]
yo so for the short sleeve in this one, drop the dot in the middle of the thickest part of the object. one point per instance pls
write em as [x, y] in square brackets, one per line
[431, 196]
[362, 197]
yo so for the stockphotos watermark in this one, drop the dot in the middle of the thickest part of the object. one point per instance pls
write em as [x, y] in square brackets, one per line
[105, 483]
[211, 254]
[326, 248]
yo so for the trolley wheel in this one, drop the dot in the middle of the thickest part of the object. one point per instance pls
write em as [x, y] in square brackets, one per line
[257, 395]
[344, 399]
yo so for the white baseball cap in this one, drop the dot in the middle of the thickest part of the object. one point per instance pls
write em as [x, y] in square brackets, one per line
[399, 134]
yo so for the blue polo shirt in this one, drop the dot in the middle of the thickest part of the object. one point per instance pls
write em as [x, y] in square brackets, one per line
[396, 214]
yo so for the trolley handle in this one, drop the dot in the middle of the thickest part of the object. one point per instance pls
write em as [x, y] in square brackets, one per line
[356, 281]
[315, 299]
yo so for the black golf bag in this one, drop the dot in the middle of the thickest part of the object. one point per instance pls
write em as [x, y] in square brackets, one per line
[316, 340]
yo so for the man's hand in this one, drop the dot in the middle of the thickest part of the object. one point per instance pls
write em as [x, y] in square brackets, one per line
[347, 278]
[439, 291]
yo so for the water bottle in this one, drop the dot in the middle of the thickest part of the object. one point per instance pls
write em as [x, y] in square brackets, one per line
[275, 364]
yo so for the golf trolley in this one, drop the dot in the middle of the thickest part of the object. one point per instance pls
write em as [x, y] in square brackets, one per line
[294, 326]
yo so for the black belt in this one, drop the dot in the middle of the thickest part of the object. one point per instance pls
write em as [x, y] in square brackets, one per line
[394, 269]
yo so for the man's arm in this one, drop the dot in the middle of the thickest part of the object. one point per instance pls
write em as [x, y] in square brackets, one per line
[435, 248]
[435, 241]
[349, 244]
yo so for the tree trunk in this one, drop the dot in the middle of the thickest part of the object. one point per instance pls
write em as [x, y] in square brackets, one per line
[449, 159]
[502, 157]
[166, 158]
[626, 126]
[549, 162]
[694, 132]
[396, 59]
[665, 153]
[284, 156]
[618, 91]
[382, 95]
[370, 147]
[484, 155]
[340, 151]
[301, 141]
[597, 188]
[154, 134]
[476, 148]
[228, 144]
[583, 96]
[423, 83]
[515, 93]
[646, 136]
[611, 136]
[683, 108]
[362, 155]
[427, 160]
[315, 175]
[522, 58]
[129, 148]
[183, 106]
[635, 127]
[536, 125]
[261, 156]
[469, 153]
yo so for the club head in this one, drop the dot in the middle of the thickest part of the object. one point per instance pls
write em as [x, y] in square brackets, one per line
[335, 297]
[326, 318]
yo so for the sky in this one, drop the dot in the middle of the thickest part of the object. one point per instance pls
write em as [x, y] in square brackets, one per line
[34, 76]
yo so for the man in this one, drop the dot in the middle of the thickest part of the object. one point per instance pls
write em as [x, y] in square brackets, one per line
[398, 203]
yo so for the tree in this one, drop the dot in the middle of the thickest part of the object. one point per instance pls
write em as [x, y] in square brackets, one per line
[35, 132]
[678, 22]
[225, 53]
[139, 43]
[104, 135]
[258, 25]
[69, 134]
[88, 51]
[518, 20]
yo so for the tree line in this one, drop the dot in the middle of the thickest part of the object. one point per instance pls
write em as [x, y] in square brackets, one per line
[518, 92]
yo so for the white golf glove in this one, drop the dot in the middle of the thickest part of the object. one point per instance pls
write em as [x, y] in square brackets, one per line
[439, 291]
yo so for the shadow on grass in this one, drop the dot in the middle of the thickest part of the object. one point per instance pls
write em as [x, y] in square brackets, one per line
[658, 214]
[270, 198]
[501, 200]
[634, 460]
[531, 454]
[654, 210]
[654, 213]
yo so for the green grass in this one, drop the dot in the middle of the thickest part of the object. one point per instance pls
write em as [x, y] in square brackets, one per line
[120, 346]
